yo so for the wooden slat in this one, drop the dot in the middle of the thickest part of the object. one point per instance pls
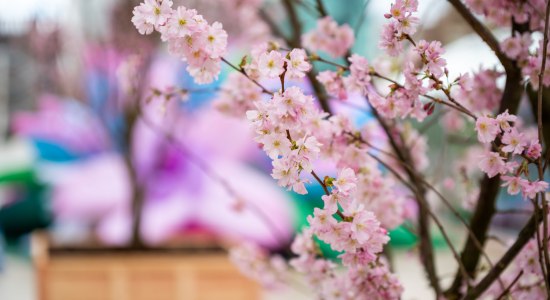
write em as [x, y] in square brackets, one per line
[140, 277]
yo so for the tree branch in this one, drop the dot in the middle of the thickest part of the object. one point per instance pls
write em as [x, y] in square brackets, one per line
[426, 249]
[486, 202]
[294, 22]
[296, 42]
[321, 8]
[523, 237]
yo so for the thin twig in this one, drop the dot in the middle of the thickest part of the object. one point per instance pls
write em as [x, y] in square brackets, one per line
[507, 290]
[524, 236]
[320, 182]
[426, 248]
[432, 215]
[466, 225]
[240, 70]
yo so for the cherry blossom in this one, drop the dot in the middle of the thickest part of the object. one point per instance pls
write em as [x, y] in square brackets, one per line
[534, 149]
[297, 63]
[182, 23]
[346, 180]
[515, 142]
[487, 129]
[271, 64]
[334, 84]
[359, 77]
[329, 37]
[514, 184]
[531, 189]
[373, 173]
[152, 13]
[237, 95]
[188, 35]
[492, 164]
[403, 23]
[255, 263]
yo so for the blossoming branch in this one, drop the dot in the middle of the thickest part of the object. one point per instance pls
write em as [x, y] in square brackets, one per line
[380, 166]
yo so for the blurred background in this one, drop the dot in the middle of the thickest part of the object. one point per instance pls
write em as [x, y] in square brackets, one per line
[82, 171]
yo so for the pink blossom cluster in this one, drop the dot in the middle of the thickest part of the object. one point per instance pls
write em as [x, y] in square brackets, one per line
[431, 53]
[500, 12]
[359, 235]
[402, 101]
[369, 281]
[530, 284]
[376, 191]
[254, 262]
[513, 143]
[532, 67]
[334, 84]
[403, 23]
[329, 37]
[337, 85]
[363, 200]
[293, 132]
[285, 127]
[268, 62]
[237, 95]
[405, 100]
[332, 138]
[518, 48]
[479, 91]
[188, 34]
[251, 29]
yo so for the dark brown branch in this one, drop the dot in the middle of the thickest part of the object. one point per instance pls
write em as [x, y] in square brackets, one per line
[138, 189]
[523, 237]
[540, 160]
[432, 215]
[489, 188]
[294, 22]
[321, 182]
[533, 100]
[426, 249]
[321, 8]
[319, 92]
[295, 42]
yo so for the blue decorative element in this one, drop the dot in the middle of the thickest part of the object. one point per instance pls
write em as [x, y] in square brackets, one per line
[51, 151]
[204, 92]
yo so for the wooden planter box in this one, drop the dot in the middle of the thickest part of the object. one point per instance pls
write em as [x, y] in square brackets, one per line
[119, 274]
